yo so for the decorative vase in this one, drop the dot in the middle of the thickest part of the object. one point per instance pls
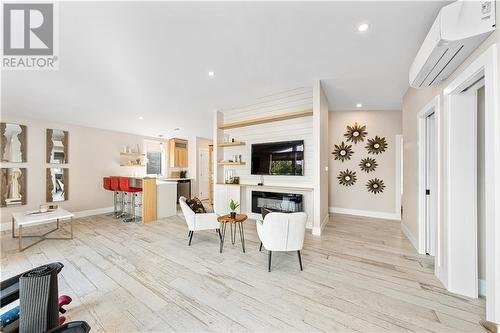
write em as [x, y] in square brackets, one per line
[233, 215]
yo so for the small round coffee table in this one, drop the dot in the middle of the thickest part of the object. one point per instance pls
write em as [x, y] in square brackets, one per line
[238, 220]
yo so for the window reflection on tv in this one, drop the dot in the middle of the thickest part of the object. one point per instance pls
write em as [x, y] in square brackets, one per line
[278, 158]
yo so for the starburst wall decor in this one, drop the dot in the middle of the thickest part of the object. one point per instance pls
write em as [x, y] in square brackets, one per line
[375, 186]
[368, 164]
[343, 152]
[356, 133]
[376, 145]
[347, 177]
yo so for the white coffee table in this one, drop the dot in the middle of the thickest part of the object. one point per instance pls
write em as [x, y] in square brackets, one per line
[28, 219]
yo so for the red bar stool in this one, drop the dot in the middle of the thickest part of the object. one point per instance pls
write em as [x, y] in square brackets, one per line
[118, 196]
[134, 191]
[106, 184]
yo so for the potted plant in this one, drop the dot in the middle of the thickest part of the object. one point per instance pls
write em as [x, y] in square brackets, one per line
[233, 205]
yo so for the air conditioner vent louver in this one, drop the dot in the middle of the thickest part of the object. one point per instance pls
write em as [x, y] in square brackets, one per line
[458, 30]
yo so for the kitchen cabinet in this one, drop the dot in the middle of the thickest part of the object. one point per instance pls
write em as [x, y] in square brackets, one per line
[178, 153]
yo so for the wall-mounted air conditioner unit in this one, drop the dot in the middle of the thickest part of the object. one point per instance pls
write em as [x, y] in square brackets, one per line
[458, 30]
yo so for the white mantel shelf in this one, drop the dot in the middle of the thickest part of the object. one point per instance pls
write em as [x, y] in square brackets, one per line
[276, 187]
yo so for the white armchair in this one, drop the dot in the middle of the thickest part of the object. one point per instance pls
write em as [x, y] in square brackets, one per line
[282, 232]
[200, 221]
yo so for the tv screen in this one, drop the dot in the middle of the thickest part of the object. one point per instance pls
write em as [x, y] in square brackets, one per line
[278, 158]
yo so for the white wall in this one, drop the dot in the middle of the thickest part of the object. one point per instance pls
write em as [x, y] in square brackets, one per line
[294, 129]
[320, 135]
[481, 202]
[386, 124]
[93, 154]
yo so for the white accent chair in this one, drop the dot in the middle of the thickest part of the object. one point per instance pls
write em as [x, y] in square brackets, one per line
[282, 232]
[200, 221]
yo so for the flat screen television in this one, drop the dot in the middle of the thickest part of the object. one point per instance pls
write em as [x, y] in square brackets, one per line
[278, 158]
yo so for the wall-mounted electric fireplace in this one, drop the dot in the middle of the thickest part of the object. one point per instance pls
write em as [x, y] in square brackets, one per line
[277, 202]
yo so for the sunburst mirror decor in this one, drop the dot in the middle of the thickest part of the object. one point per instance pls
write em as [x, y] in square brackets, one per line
[376, 145]
[347, 177]
[356, 133]
[375, 186]
[343, 152]
[368, 164]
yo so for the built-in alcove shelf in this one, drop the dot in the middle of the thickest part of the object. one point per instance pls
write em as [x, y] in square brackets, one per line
[230, 163]
[231, 144]
[268, 119]
[273, 187]
[133, 154]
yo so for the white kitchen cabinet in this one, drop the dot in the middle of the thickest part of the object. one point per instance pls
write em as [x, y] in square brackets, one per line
[223, 195]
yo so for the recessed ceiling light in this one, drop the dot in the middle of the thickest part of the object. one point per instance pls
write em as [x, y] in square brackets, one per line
[211, 73]
[141, 117]
[359, 105]
[363, 27]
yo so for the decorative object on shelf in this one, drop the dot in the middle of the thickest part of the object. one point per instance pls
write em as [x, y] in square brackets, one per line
[376, 145]
[368, 164]
[347, 177]
[13, 187]
[375, 185]
[343, 152]
[356, 133]
[13, 143]
[57, 146]
[57, 184]
[233, 206]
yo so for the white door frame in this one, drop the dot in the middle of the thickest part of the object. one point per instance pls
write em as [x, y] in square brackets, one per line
[434, 106]
[486, 64]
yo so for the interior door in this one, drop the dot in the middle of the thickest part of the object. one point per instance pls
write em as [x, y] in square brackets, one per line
[203, 174]
[430, 181]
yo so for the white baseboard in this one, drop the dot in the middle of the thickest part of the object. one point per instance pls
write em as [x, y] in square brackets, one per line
[317, 230]
[481, 287]
[366, 213]
[7, 225]
[410, 236]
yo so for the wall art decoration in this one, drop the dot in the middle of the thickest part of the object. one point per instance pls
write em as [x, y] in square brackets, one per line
[375, 186]
[347, 177]
[368, 164]
[343, 152]
[13, 190]
[376, 145]
[356, 133]
[57, 146]
[13, 143]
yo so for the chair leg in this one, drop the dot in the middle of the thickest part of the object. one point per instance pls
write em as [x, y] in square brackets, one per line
[300, 259]
[220, 236]
[269, 265]
[260, 247]
[190, 237]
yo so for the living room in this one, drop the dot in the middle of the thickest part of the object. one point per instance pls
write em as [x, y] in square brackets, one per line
[250, 166]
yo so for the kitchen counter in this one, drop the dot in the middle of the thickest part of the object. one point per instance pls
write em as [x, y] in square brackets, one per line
[174, 179]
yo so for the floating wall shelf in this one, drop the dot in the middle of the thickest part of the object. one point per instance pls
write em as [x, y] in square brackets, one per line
[268, 119]
[133, 154]
[133, 165]
[231, 144]
[231, 163]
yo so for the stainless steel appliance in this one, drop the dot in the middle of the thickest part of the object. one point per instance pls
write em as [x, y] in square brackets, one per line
[183, 189]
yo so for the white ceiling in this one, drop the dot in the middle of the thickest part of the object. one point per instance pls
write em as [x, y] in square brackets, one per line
[122, 60]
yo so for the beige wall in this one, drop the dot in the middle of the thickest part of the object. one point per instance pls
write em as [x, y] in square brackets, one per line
[195, 143]
[413, 101]
[356, 197]
[93, 153]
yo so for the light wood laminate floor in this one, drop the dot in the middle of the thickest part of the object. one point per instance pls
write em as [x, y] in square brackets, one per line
[361, 275]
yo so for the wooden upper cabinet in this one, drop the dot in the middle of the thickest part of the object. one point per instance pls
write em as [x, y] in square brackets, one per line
[178, 153]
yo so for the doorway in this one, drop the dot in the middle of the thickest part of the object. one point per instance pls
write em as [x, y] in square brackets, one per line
[203, 177]
[462, 177]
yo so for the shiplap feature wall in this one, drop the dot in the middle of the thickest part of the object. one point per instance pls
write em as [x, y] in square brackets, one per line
[293, 129]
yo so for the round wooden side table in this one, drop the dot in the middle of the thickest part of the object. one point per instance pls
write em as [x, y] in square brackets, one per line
[237, 221]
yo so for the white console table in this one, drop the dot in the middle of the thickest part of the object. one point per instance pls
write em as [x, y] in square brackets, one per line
[29, 219]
